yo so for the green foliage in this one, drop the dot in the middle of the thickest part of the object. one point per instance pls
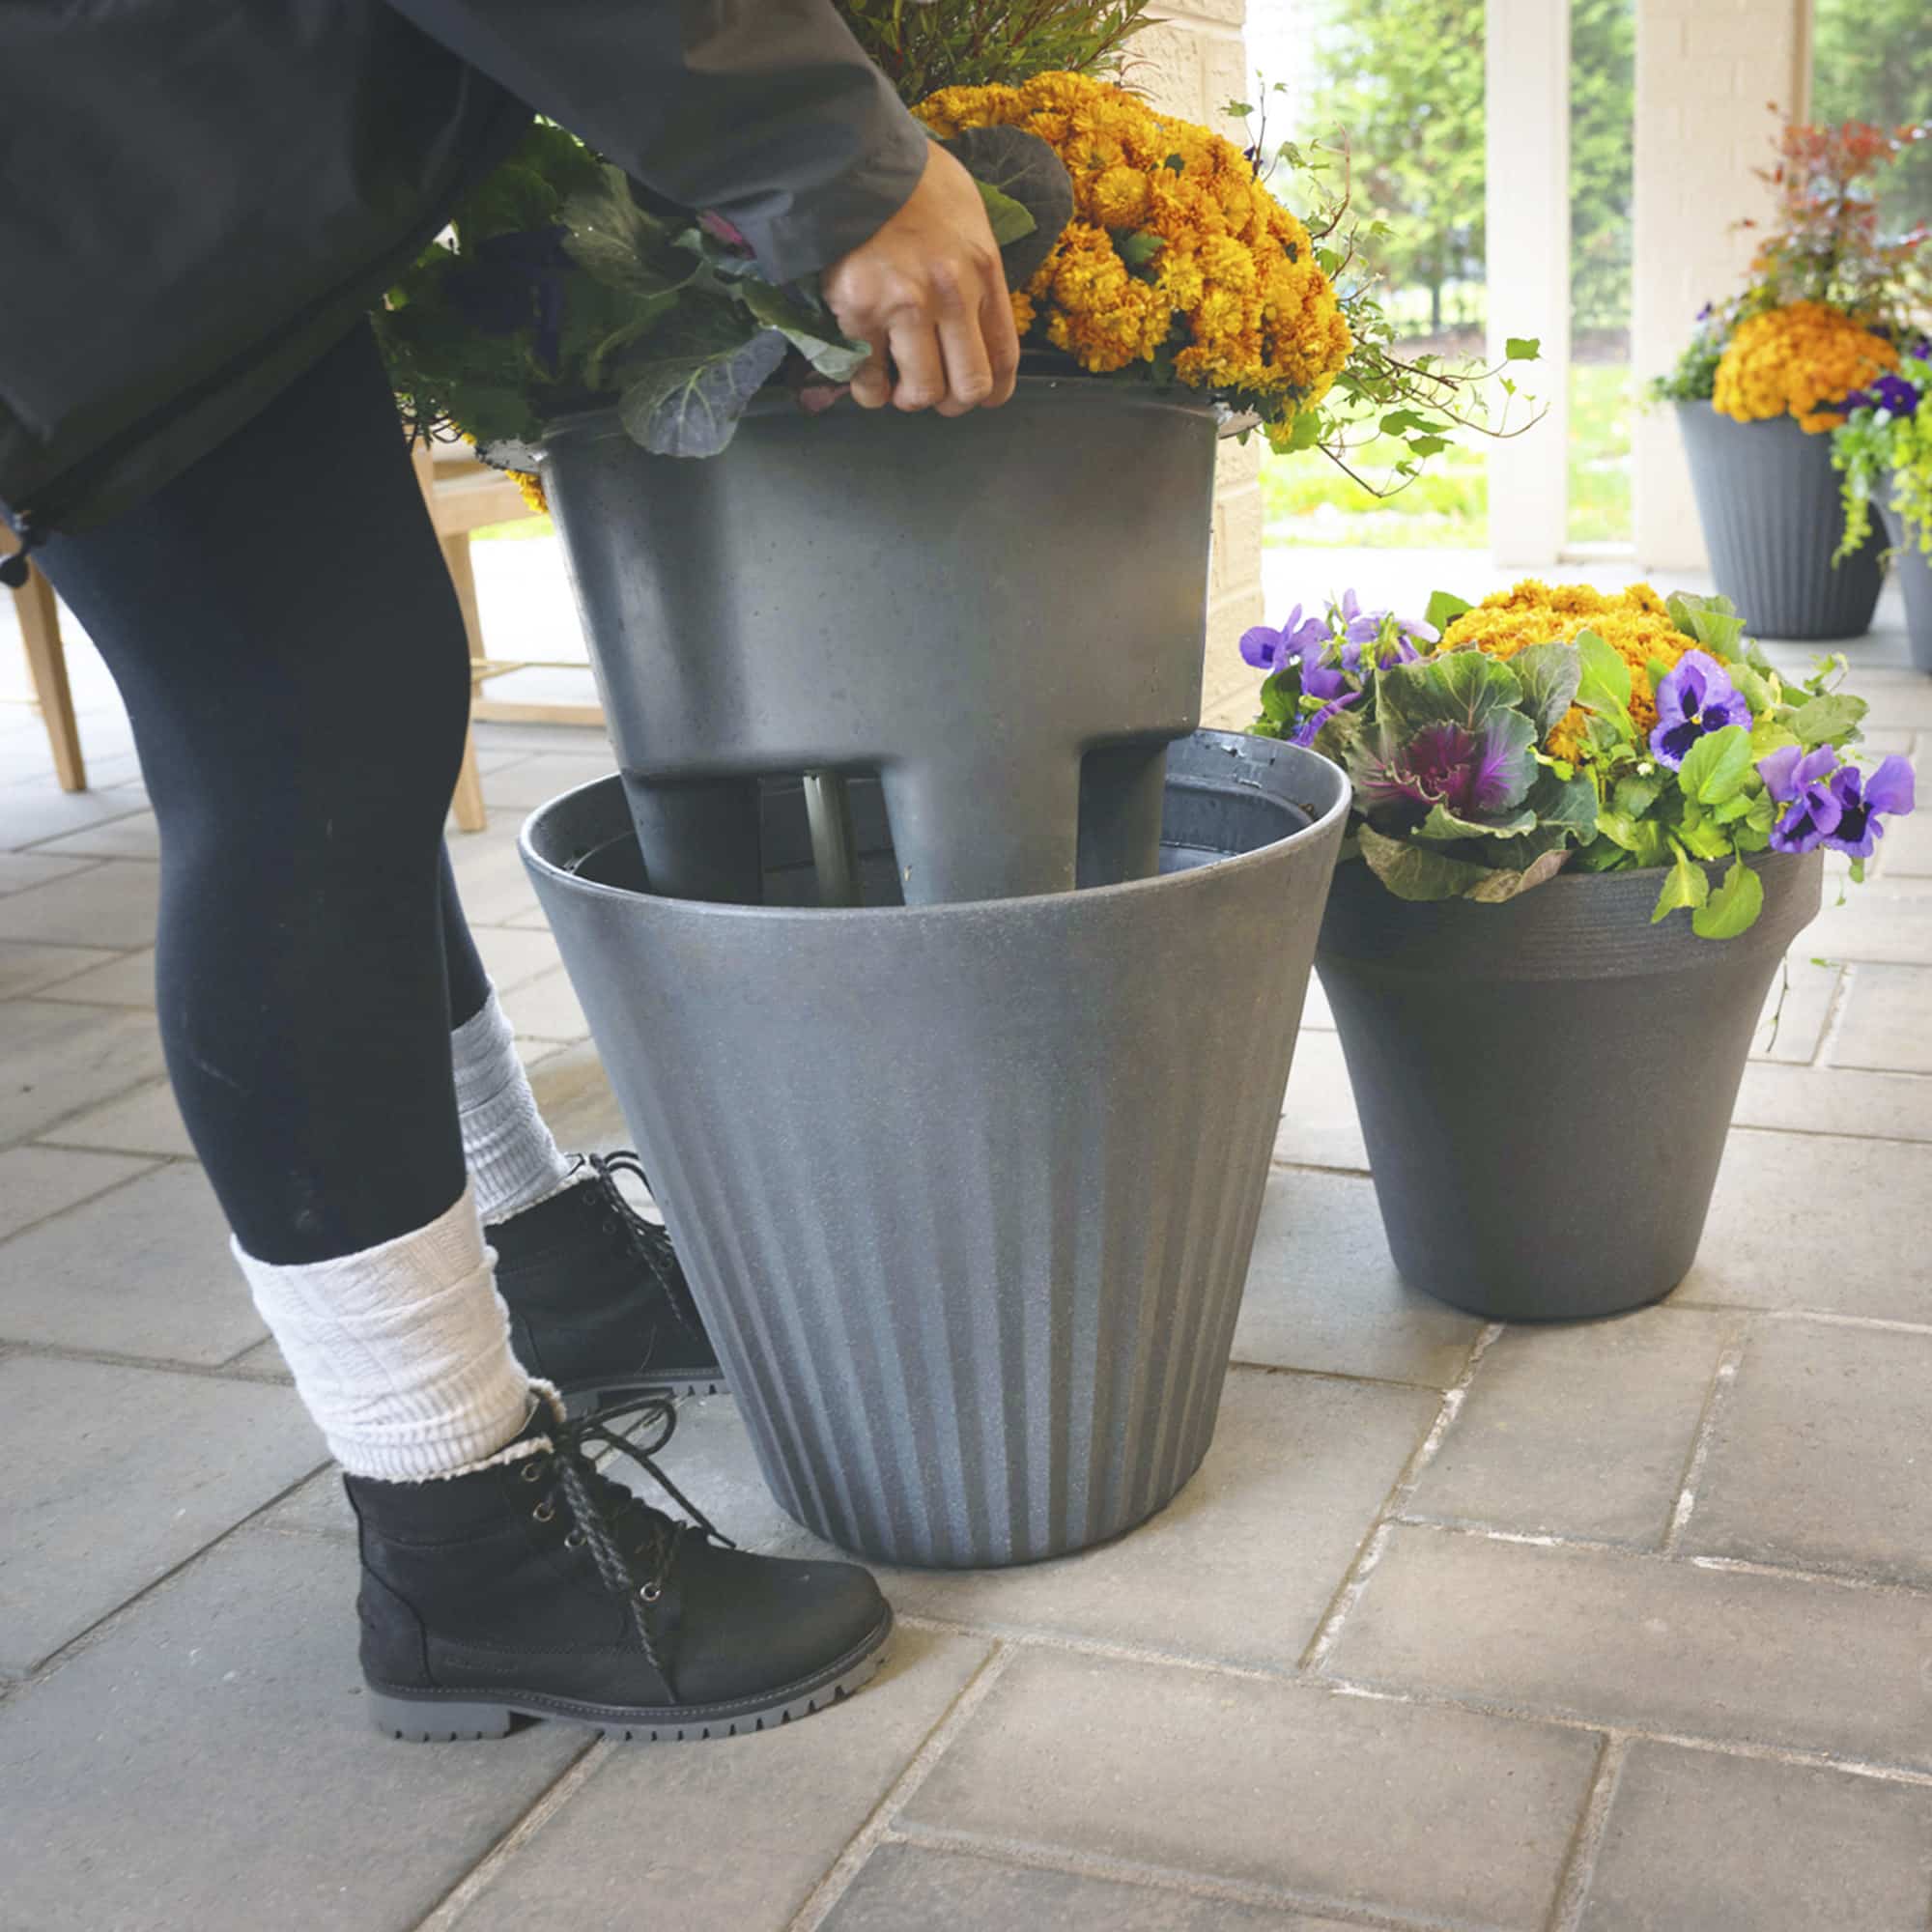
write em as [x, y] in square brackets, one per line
[1027, 189]
[1875, 449]
[1871, 60]
[923, 46]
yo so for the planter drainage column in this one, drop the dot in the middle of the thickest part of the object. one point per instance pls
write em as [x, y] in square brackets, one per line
[1000, 617]
[966, 1191]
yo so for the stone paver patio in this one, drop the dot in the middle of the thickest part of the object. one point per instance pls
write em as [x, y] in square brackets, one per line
[1626, 1625]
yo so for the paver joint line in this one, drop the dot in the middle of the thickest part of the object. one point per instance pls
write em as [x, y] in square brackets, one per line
[849, 1862]
[1370, 1554]
[1580, 1868]
[1723, 1377]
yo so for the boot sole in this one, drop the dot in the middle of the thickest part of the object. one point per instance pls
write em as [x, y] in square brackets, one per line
[439, 1717]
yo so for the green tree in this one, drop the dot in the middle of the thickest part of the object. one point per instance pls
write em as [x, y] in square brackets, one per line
[1405, 79]
[1871, 60]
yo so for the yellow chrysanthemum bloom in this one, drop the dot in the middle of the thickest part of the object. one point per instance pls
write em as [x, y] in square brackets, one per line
[529, 487]
[1175, 247]
[1635, 622]
[1801, 360]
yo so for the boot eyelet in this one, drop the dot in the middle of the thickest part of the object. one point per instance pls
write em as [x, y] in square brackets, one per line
[576, 1540]
[532, 1471]
[649, 1593]
[545, 1510]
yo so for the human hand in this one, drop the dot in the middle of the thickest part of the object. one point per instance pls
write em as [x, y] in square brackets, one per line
[927, 290]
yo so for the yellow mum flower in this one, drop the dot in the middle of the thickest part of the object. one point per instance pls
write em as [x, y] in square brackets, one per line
[1633, 622]
[1175, 248]
[1799, 360]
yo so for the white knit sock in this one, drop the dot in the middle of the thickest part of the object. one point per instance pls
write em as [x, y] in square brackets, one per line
[401, 1353]
[513, 1162]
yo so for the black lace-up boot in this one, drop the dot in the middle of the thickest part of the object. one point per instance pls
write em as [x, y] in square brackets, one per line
[598, 1302]
[536, 1587]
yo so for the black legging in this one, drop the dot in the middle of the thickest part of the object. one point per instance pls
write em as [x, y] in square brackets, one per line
[282, 628]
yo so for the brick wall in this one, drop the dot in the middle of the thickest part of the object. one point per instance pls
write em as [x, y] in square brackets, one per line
[1192, 62]
[1705, 70]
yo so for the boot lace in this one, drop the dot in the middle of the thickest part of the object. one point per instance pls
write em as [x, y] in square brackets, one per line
[644, 1239]
[634, 1545]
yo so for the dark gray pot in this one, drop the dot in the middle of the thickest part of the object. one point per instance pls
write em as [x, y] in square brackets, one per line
[1003, 615]
[966, 1192]
[1914, 574]
[1769, 503]
[1546, 1084]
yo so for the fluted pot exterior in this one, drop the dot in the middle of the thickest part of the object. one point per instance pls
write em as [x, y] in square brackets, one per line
[1546, 1086]
[1773, 515]
[967, 608]
[1914, 574]
[967, 1193]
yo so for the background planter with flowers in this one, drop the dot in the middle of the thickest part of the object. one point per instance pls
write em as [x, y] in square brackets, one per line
[1884, 450]
[1767, 375]
[1588, 828]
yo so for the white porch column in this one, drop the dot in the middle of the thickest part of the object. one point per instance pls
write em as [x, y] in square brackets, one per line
[1705, 70]
[1527, 204]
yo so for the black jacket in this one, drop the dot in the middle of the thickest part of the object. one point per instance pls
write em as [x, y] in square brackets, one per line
[197, 199]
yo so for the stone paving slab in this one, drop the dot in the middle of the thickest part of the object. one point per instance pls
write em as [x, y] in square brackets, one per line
[536, 779]
[906, 1886]
[733, 1833]
[319, 1508]
[25, 967]
[207, 1763]
[143, 1270]
[546, 1007]
[20, 871]
[511, 958]
[1337, 1801]
[36, 1182]
[574, 1093]
[111, 904]
[33, 809]
[1836, 1101]
[1796, 1009]
[122, 980]
[1816, 1221]
[135, 837]
[55, 1060]
[1323, 1294]
[145, 1122]
[1264, 1535]
[1605, 1637]
[1820, 1454]
[1879, 923]
[1583, 1431]
[1318, 1126]
[1886, 1021]
[151, 1467]
[1698, 1842]
[490, 876]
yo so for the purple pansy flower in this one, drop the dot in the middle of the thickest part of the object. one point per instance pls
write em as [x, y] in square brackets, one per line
[1861, 799]
[1896, 393]
[1310, 728]
[1696, 696]
[1797, 781]
[1269, 649]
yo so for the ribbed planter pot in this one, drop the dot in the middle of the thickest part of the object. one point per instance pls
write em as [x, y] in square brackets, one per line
[1769, 503]
[1914, 574]
[1001, 616]
[967, 1193]
[1546, 1086]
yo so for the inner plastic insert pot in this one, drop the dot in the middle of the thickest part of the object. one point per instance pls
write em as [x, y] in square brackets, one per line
[1003, 616]
[967, 1192]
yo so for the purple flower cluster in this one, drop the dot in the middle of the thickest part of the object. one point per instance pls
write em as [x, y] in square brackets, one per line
[1337, 653]
[1897, 393]
[1695, 697]
[1832, 805]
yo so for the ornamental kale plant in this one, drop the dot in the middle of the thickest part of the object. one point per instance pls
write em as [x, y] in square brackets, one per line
[1889, 432]
[1497, 744]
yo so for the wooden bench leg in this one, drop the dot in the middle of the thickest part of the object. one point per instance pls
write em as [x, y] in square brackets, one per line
[47, 667]
[467, 805]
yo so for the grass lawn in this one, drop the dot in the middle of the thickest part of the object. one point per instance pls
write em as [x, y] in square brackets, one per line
[1310, 502]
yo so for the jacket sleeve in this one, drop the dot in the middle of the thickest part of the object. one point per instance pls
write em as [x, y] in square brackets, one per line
[765, 110]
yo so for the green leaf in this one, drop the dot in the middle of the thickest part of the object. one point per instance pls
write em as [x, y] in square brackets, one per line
[1714, 621]
[688, 403]
[1827, 721]
[1008, 218]
[1636, 794]
[1137, 251]
[1444, 607]
[1278, 697]
[1733, 908]
[1549, 676]
[1022, 168]
[1717, 766]
[622, 245]
[1414, 872]
[808, 325]
[1463, 688]
[1606, 684]
[1685, 885]
[1771, 733]
[1523, 347]
[1442, 827]
[1705, 838]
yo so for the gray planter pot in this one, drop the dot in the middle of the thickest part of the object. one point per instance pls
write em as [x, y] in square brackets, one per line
[1914, 574]
[967, 1193]
[1769, 501]
[1546, 1086]
[1002, 615]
